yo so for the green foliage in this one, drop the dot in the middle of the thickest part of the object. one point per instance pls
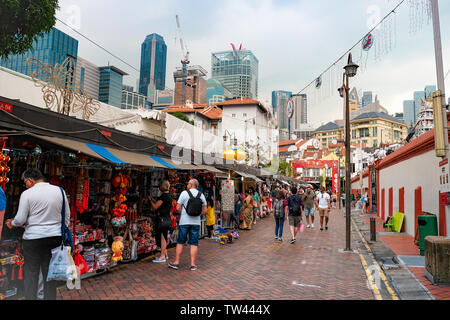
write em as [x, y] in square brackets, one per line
[182, 116]
[285, 169]
[22, 21]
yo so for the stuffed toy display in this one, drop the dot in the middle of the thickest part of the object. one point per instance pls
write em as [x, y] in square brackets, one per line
[117, 248]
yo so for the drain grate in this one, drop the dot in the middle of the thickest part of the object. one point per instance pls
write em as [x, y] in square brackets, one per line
[413, 261]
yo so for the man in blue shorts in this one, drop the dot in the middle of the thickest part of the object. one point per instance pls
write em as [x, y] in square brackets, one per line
[309, 205]
[189, 224]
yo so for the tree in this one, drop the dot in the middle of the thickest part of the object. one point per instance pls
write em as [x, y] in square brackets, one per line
[182, 116]
[22, 21]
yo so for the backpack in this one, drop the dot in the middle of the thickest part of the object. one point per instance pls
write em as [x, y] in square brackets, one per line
[279, 209]
[194, 205]
[294, 206]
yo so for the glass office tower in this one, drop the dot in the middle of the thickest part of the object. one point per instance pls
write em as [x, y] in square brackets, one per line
[237, 71]
[153, 65]
[111, 81]
[51, 48]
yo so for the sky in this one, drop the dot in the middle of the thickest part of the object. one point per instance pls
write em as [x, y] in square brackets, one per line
[294, 41]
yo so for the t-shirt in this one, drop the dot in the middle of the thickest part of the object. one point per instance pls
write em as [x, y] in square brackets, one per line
[323, 200]
[186, 219]
[2, 200]
[309, 200]
[166, 206]
[210, 218]
[298, 199]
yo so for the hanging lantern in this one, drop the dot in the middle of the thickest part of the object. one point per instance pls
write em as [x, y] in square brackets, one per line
[318, 82]
[240, 155]
[228, 154]
[367, 42]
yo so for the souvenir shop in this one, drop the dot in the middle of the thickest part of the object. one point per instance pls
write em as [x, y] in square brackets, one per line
[108, 200]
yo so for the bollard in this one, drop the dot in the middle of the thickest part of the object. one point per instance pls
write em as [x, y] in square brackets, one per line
[373, 229]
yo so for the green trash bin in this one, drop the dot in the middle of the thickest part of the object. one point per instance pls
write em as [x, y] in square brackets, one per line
[427, 227]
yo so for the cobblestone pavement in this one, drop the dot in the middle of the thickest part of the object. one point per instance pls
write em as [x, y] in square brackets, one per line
[254, 267]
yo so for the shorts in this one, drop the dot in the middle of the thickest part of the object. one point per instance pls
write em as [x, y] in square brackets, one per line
[324, 212]
[192, 230]
[309, 212]
[294, 221]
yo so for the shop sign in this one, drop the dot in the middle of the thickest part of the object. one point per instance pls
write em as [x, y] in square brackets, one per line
[6, 107]
[106, 133]
[444, 185]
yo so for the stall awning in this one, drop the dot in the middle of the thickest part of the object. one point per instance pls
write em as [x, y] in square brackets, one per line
[111, 155]
[246, 175]
[165, 162]
[210, 169]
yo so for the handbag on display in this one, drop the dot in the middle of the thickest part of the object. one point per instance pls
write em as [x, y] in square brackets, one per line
[127, 246]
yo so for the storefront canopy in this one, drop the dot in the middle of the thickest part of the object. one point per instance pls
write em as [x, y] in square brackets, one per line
[246, 175]
[107, 154]
[210, 169]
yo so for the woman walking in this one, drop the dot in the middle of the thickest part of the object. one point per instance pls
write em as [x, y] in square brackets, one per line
[281, 210]
[163, 207]
[247, 212]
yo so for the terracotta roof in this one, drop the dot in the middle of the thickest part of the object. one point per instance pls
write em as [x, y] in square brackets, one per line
[240, 102]
[283, 149]
[212, 113]
[288, 142]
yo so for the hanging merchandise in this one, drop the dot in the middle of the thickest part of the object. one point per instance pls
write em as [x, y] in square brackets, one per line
[82, 196]
[4, 169]
[120, 182]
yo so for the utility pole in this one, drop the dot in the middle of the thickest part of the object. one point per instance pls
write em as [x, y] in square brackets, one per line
[440, 67]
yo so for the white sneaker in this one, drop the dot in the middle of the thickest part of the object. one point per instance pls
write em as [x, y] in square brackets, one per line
[159, 260]
[312, 225]
[308, 226]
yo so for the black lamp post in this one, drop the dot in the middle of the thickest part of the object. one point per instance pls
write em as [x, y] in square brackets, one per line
[350, 71]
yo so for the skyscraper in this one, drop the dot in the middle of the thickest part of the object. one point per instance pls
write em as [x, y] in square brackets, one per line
[409, 113]
[300, 111]
[51, 48]
[279, 103]
[367, 98]
[153, 66]
[111, 81]
[87, 77]
[429, 90]
[237, 71]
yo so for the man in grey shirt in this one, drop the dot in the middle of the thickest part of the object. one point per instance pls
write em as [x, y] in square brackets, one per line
[40, 214]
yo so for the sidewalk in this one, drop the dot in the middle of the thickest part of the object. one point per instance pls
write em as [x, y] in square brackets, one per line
[401, 260]
[254, 267]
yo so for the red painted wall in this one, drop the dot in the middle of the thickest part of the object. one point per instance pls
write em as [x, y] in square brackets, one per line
[391, 202]
[383, 204]
[417, 207]
[401, 205]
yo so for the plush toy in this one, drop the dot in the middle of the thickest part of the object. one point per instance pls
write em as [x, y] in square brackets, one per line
[117, 248]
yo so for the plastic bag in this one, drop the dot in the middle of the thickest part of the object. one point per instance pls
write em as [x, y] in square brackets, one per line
[62, 266]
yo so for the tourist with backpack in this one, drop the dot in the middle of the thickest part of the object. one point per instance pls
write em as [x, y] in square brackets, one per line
[192, 204]
[280, 212]
[295, 213]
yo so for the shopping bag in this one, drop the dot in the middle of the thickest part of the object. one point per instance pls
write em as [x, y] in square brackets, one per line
[301, 227]
[61, 265]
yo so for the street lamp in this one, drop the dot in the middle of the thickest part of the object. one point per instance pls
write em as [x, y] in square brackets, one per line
[225, 138]
[350, 71]
[339, 154]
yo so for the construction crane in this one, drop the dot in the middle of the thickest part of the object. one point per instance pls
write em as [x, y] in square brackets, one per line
[185, 61]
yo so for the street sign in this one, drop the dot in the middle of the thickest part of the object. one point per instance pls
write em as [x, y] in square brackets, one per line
[444, 185]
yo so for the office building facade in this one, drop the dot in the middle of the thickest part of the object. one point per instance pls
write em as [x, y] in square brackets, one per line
[237, 72]
[279, 103]
[111, 84]
[300, 111]
[51, 48]
[87, 78]
[153, 66]
[367, 98]
[429, 90]
[409, 113]
[216, 92]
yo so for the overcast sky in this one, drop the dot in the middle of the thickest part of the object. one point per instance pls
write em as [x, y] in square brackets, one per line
[294, 41]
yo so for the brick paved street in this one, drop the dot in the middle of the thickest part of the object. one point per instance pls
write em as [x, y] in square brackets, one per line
[253, 267]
